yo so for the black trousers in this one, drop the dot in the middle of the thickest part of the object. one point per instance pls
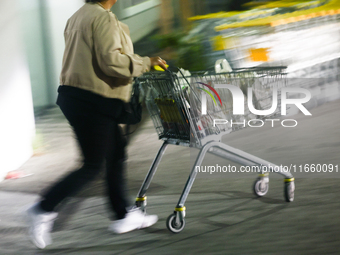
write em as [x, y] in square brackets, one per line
[102, 145]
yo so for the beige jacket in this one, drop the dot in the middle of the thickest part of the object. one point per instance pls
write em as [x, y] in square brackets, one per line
[99, 54]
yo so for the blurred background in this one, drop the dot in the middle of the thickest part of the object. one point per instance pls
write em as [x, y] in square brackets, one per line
[224, 217]
[302, 35]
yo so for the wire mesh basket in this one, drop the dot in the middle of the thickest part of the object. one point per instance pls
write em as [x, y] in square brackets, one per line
[174, 102]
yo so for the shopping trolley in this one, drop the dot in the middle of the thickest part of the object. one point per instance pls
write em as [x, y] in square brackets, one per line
[174, 104]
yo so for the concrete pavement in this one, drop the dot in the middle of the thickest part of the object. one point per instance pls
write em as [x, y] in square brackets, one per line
[223, 215]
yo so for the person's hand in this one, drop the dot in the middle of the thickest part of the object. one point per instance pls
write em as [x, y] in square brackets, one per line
[157, 61]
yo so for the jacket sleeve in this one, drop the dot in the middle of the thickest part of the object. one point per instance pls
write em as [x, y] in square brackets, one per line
[108, 51]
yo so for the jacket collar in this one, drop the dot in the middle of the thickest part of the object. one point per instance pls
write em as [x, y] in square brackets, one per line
[103, 6]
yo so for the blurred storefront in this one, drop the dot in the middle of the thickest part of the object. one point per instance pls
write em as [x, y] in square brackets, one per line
[302, 35]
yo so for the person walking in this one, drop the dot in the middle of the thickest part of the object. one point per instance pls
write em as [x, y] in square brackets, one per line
[96, 80]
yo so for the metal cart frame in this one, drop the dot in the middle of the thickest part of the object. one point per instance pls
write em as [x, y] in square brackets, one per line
[176, 221]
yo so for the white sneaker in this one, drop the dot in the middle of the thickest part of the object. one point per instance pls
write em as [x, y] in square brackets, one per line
[134, 219]
[40, 226]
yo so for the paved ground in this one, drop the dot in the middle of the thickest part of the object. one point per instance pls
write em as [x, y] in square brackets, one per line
[223, 216]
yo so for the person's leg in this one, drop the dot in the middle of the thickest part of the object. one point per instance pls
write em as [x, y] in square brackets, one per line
[94, 134]
[134, 218]
[94, 131]
[115, 170]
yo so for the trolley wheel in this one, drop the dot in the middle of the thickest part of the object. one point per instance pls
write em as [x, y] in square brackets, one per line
[260, 187]
[172, 226]
[289, 191]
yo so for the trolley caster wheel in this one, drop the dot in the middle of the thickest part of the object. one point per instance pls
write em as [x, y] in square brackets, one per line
[289, 191]
[173, 226]
[261, 187]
